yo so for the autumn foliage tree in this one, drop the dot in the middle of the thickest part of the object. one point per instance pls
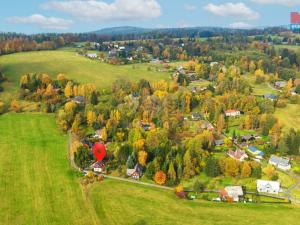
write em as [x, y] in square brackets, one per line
[160, 177]
[142, 156]
[246, 170]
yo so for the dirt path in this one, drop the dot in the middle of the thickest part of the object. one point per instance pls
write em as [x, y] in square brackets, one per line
[138, 182]
[293, 187]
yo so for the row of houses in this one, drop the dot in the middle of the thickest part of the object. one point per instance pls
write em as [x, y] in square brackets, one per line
[237, 193]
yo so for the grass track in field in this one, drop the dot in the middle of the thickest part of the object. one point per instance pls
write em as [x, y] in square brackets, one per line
[37, 186]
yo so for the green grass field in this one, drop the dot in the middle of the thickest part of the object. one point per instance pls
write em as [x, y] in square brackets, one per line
[37, 186]
[74, 66]
[259, 89]
[289, 116]
[126, 203]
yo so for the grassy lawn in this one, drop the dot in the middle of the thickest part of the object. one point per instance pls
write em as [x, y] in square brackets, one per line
[259, 89]
[289, 116]
[37, 186]
[73, 66]
[129, 204]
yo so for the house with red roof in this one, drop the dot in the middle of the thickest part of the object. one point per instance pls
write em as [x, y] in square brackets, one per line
[232, 112]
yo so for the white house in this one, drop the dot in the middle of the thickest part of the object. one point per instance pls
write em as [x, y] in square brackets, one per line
[92, 55]
[280, 163]
[232, 112]
[267, 186]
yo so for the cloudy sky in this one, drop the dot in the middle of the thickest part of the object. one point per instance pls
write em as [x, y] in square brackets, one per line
[34, 16]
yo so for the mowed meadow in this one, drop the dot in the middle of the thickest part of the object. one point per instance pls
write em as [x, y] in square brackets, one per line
[37, 186]
[76, 67]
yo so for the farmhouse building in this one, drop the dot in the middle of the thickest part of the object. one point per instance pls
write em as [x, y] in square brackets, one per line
[235, 193]
[280, 84]
[246, 138]
[239, 154]
[232, 113]
[207, 126]
[280, 163]
[136, 172]
[98, 166]
[267, 186]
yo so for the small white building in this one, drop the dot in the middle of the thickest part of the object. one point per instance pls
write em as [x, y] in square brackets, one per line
[267, 186]
[232, 112]
[280, 163]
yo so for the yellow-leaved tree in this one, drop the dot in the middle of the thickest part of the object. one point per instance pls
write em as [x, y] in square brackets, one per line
[91, 118]
[143, 157]
[68, 90]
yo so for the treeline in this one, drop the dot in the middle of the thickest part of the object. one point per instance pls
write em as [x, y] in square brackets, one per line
[22, 44]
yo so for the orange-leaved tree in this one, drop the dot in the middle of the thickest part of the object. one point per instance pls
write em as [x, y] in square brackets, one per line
[160, 177]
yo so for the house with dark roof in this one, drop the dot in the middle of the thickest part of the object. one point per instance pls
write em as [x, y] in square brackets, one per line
[78, 99]
[99, 167]
[196, 116]
[136, 172]
[146, 126]
[247, 138]
[280, 163]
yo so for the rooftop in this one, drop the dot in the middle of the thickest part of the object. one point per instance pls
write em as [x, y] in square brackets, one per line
[279, 160]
